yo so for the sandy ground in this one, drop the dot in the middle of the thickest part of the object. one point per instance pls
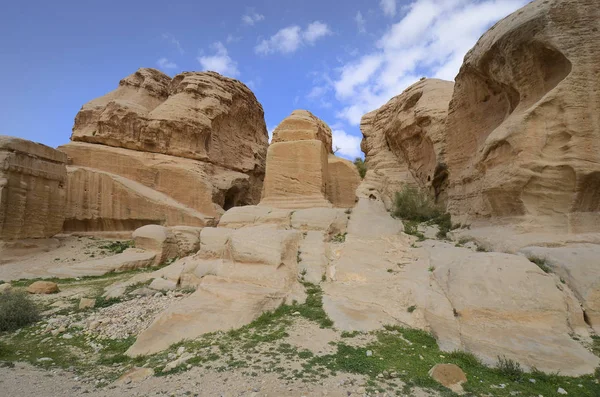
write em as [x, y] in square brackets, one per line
[67, 250]
[24, 380]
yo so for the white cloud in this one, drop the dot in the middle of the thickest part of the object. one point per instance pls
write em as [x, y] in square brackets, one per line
[252, 18]
[232, 39]
[289, 39]
[220, 62]
[430, 39]
[270, 132]
[164, 63]
[173, 41]
[315, 31]
[388, 7]
[348, 145]
[360, 22]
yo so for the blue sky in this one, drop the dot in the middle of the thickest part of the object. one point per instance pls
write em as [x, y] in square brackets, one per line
[336, 59]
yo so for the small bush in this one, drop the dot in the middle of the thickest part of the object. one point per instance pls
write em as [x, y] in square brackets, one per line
[510, 368]
[541, 263]
[412, 228]
[17, 310]
[361, 167]
[339, 238]
[414, 205]
[411, 309]
[117, 247]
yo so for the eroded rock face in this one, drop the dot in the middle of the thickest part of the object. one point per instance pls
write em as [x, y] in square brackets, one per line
[302, 171]
[522, 130]
[197, 115]
[404, 140]
[33, 181]
[176, 151]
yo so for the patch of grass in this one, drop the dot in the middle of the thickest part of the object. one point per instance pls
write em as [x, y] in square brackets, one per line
[17, 310]
[431, 269]
[339, 238]
[117, 247]
[411, 308]
[106, 302]
[541, 263]
[361, 167]
[510, 368]
[481, 249]
[349, 334]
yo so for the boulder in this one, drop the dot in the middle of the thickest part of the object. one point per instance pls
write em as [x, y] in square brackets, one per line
[449, 375]
[161, 284]
[187, 239]
[157, 239]
[43, 288]
[519, 129]
[404, 141]
[86, 303]
[33, 180]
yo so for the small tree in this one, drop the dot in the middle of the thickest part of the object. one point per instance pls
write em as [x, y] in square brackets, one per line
[17, 310]
[361, 167]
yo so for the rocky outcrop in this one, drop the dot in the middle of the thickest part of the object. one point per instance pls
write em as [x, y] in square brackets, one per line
[404, 143]
[33, 181]
[176, 152]
[522, 130]
[298, 161]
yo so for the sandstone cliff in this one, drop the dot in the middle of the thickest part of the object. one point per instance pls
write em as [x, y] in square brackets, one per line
[180, 149]
[523, 130]
[404, 141]
[33, 181]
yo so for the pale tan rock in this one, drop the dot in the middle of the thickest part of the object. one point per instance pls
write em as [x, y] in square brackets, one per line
[296, 175]
[33, 180]
[242, 273]
[342, 181]
[161, 284]
[503, 305]
[157, 239]
[302, 125]
[86, 303]
[250, 215]
[197, 115]
[135, 375]
[332, 221]
[187, 239]
[404, 141]
[312, 255]
[43, 288]
[521, 141]
[449, 375]
[115, 203]
[131, 259]
[6, 287]
[577, 266]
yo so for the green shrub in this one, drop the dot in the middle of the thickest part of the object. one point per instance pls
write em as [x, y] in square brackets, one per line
[414, 205]
[361, 167]
[412, 228]
[17, 310]
[510, 368]
[117, 247]
[541, 263]
[339, 238]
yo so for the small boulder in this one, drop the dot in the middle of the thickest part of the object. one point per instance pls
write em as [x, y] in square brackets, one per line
[160, 284]
[43, 288]
[449, 375]
[86, 303]
[135, 375]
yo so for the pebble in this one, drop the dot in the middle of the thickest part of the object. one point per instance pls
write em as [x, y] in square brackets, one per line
[369, 353]
[561, 391]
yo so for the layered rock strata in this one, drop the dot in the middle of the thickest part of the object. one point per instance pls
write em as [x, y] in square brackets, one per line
[174, 151]
[33, 180]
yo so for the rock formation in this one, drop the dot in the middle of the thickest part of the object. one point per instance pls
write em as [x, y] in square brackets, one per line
[174, 151]
[298, 167]
[33, 181]
[404, 141]
[522, 130]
